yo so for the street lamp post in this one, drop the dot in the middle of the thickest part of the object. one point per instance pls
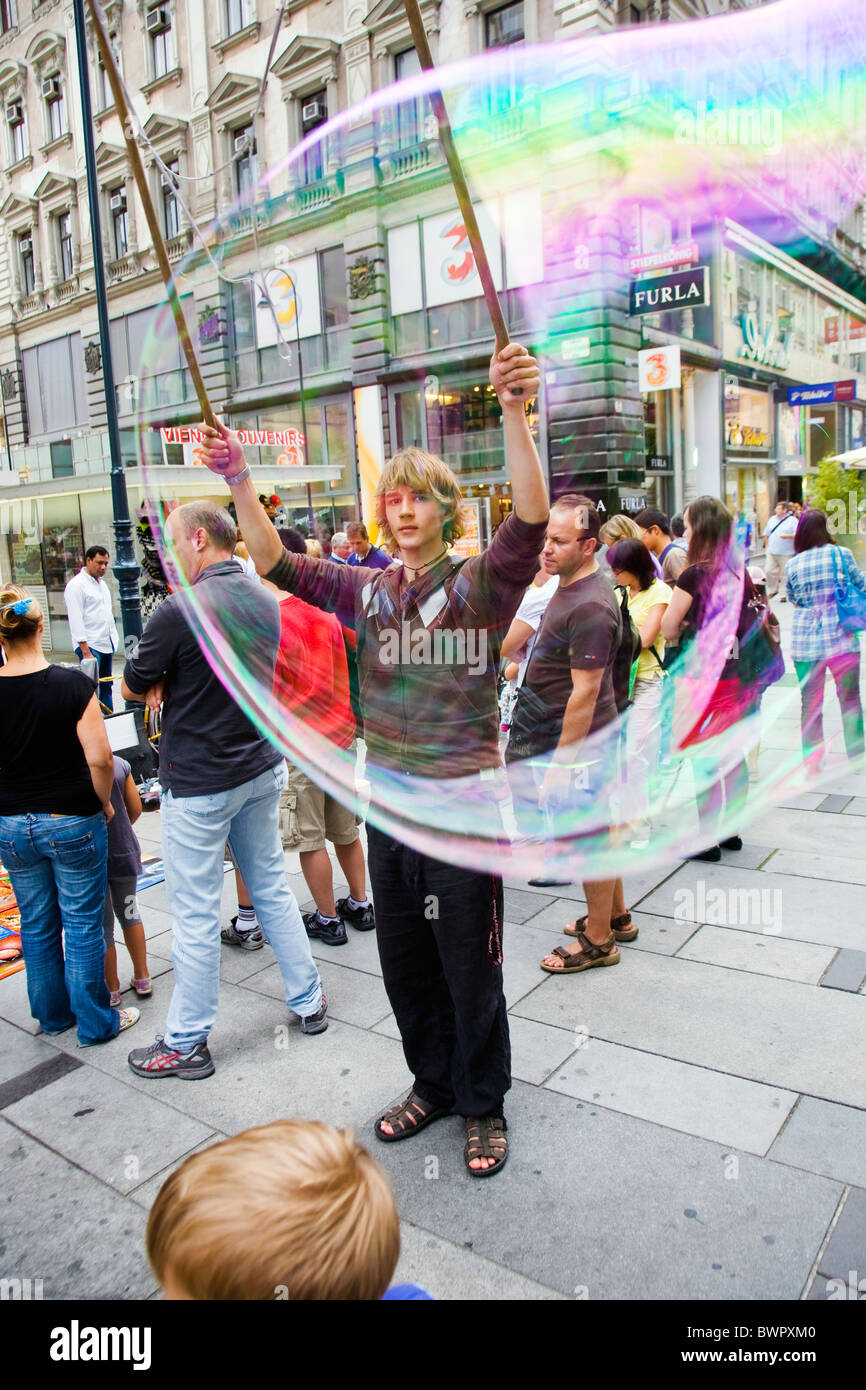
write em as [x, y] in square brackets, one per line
[126, 566]
[291, 281]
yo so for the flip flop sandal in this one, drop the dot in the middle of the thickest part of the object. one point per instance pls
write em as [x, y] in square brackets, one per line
[485, 1138]
[590, 956]
[411, 1115]
[622, 927]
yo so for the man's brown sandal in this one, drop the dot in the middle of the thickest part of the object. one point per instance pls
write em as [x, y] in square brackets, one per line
[408, 1117]
[622, 927]
[588, 956]
[485, 1138]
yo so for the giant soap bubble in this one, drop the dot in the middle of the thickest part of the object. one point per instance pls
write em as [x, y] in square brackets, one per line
[580, 156]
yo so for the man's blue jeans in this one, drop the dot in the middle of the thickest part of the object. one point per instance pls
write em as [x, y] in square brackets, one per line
[104, 660]
[57, 865]
[194, 833]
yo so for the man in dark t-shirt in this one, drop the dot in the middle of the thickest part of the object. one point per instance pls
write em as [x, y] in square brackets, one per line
[571, 674]
[221, 780]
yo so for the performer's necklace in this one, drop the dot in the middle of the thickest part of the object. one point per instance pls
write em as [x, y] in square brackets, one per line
[426, 566]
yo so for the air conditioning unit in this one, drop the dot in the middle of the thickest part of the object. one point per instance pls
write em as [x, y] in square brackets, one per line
[158, 21]
[313, 111]
[25, 245]
[118, 202]
[243, 142]
[166, 181]
[51, 88]
[14, 113]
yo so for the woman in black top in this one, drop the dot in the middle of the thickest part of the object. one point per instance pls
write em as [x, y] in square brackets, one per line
[56, 772]
[693, 606]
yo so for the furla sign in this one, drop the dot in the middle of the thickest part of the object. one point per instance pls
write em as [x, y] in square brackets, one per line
[683, 289]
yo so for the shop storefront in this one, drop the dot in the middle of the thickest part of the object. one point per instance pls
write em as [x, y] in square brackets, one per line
[458, 417]
[795, 357]
[749, 473]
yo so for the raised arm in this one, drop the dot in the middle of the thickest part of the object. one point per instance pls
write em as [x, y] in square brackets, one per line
[319, 582]
[514, 367]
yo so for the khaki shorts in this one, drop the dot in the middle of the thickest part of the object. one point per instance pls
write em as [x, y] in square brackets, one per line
[309, 815]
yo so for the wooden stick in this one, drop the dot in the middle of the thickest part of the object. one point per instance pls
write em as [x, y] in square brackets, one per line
[458, 178]
[108, 62]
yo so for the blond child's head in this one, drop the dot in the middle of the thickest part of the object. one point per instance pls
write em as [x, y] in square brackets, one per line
[422, 472]
[294, 1209]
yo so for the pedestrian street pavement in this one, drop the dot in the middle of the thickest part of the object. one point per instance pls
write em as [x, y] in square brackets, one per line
[690, 1124]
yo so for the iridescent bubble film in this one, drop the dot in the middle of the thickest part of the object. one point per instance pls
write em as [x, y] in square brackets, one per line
[568, 149]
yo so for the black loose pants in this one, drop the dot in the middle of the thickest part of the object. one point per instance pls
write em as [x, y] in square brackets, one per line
[439, 932]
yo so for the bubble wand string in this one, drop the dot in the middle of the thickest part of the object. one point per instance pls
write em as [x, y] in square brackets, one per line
[106, 53]
[458, 178]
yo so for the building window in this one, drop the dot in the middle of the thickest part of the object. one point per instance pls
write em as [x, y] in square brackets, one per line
[314, 112]
[335, 304]
[504, 27]
[104, 92]
[170, 204]
[17, 131]
[409, 115]
[158, 24]
[244, 145]
[120, 221]
[52, 90]
[7, 16]
[64, 236]
[239, 13]
[28, 264]
[61, 460]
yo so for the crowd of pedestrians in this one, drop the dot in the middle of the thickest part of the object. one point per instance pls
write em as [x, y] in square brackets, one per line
[591, 625]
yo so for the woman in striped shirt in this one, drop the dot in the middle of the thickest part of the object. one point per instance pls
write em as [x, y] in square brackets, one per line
[818, 643]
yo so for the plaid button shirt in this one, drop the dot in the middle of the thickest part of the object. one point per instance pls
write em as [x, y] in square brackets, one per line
[811, 580]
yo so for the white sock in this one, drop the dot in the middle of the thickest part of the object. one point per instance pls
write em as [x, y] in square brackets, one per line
[354, 904]
[246, 919]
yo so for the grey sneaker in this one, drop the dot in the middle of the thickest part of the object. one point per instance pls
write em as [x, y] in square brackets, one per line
[317, 1022]
[361, 918]
[247, 940]
[160, 1060]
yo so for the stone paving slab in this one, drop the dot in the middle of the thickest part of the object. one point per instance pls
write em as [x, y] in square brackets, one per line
[775, 1031]
[832, 868]
[104, 1127]
[856, 807]
[846, 1248]
[827, 1139]
[520, 906]
[452, 1271]
[236, 965]
[759, 953]
[796, 830]
[353, 996]
[14, 1004]
[848, 972]
[673, 1227]
[267, 1069]
[19, 1052]
[67, 1228]
[146, 1193]
[537, 1049]
[829, 919]
[709, 1104]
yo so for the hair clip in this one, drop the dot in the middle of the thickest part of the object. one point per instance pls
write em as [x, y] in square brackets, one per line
[19, 606]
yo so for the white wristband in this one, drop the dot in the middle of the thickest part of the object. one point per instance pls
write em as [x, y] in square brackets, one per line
[238, 477]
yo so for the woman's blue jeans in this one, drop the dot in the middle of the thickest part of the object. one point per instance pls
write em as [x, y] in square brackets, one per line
[57, 865]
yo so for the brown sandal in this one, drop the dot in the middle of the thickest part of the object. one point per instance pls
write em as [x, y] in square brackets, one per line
[588, 956]
[408, 1117]
[485, 1138]
[622, 927]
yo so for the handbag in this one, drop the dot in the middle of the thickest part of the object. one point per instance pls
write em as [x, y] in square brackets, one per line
[850, 602]
[759, 660]
[535, 726]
